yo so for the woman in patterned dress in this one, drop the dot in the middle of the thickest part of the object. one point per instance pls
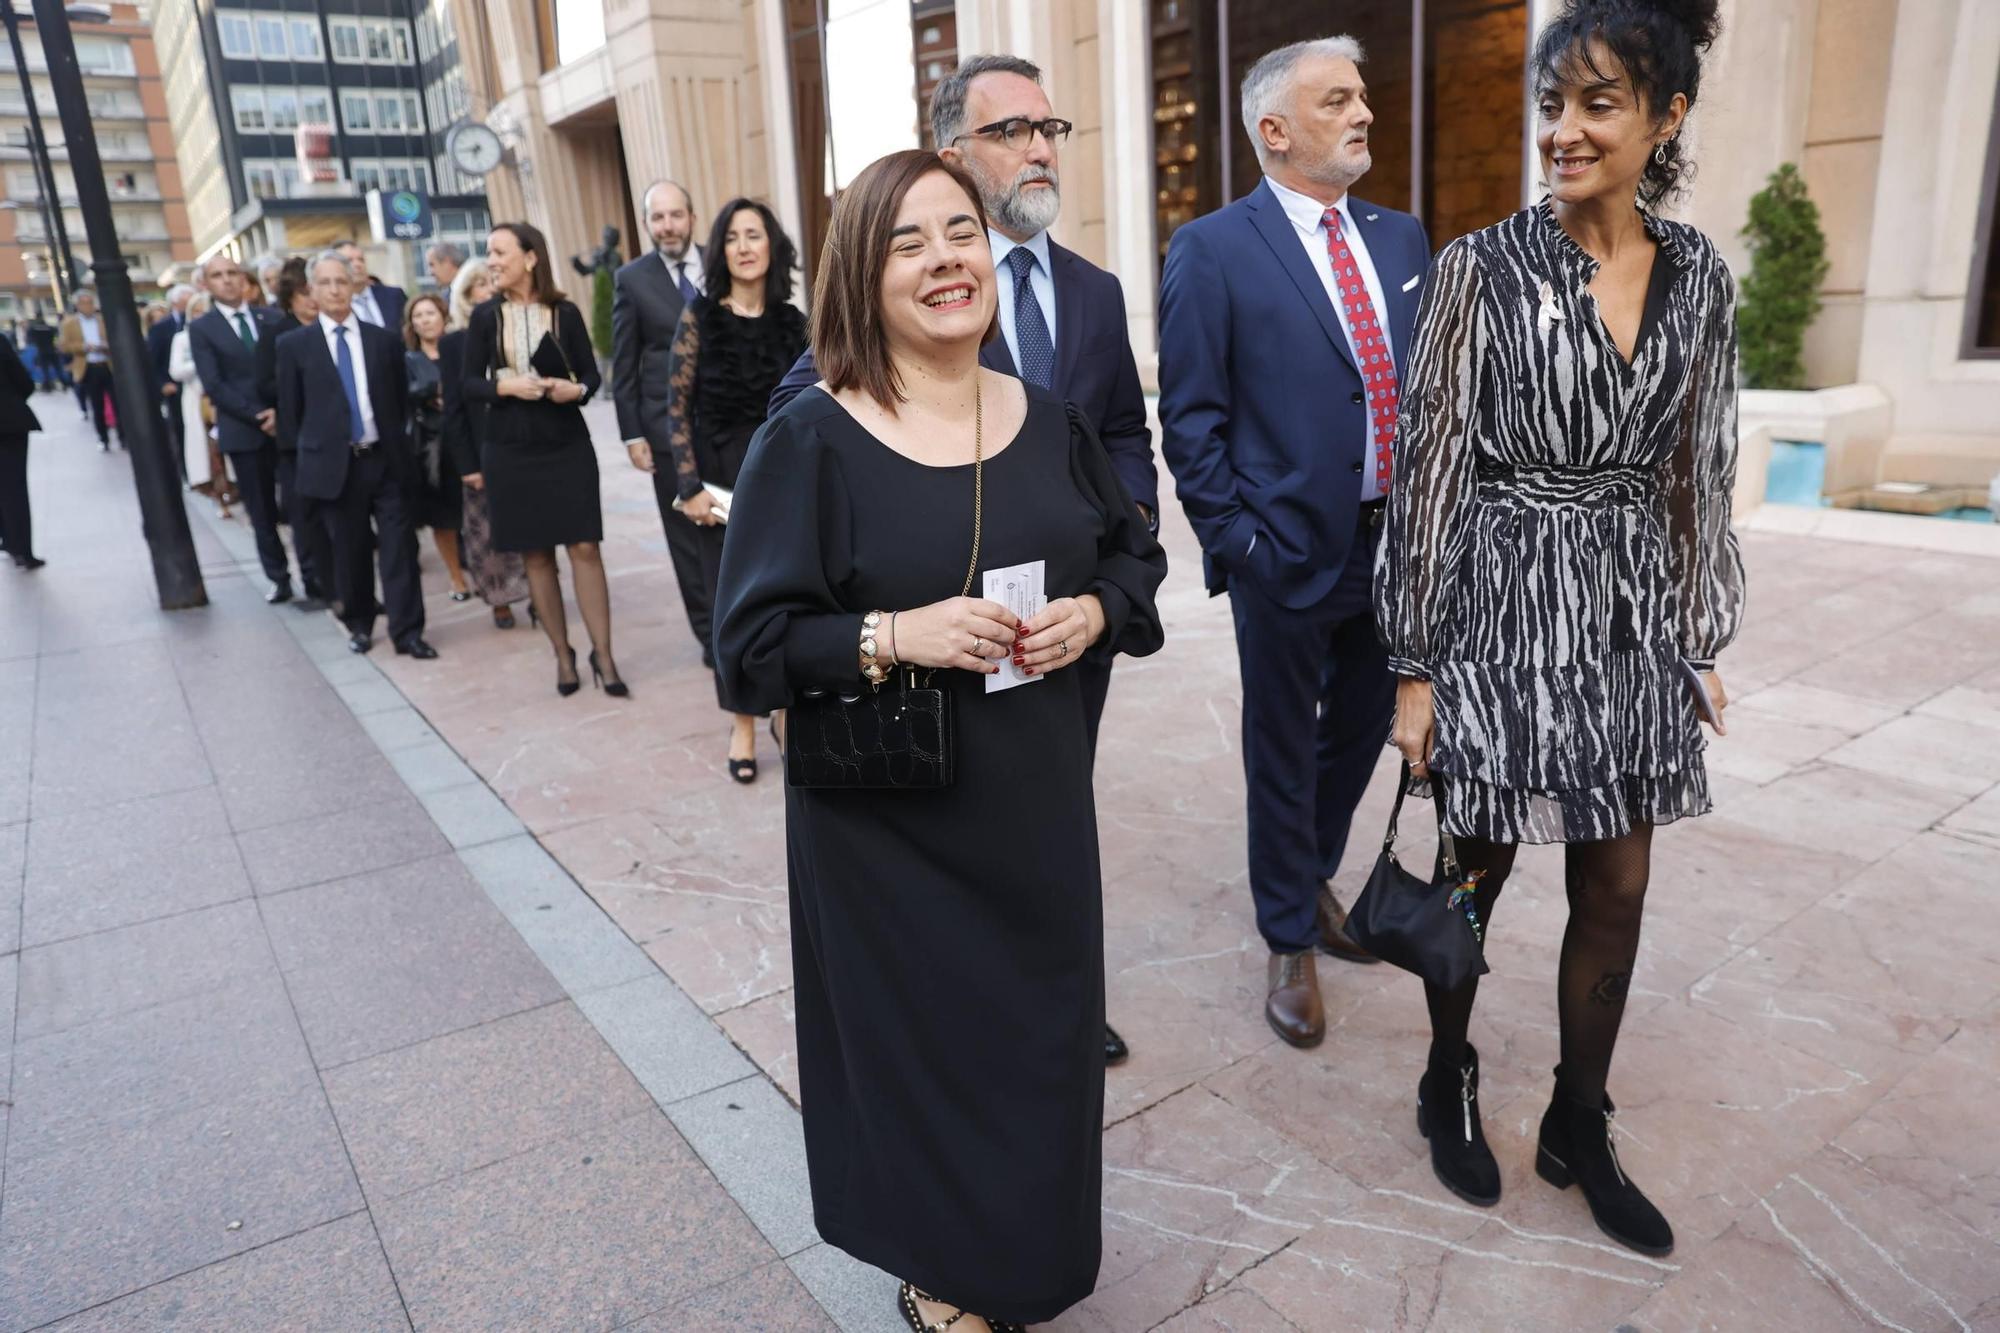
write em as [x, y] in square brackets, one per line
[1558, 572]
[498, 576]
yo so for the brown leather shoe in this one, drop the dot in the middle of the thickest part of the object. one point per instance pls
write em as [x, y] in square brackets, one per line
[1333, 936]
[1293, 1007]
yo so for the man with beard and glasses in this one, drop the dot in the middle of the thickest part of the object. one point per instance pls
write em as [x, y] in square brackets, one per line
[1284, 322]
[647, 297]
[1062, 319]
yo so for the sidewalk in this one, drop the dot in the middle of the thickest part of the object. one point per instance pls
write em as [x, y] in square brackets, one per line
[302, 946]
[305, 1031]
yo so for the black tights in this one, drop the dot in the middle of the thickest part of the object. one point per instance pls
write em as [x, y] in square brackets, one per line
[1606, 885]
[593, 598]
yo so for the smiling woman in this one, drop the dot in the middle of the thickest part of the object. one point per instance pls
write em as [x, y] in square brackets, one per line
[950, 976]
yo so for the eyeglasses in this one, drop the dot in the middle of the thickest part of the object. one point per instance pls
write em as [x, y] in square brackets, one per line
[1017, 132]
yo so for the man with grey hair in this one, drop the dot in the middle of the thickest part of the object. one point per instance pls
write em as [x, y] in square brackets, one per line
[1284, 318]
[444, 260]
[1062, 318]
[159, 352]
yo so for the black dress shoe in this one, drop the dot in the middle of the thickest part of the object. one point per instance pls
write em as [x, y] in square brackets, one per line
[310, 603]
[1448, 1115]
[359, 642]
[281, 592]
[1333, 936]
[29, 562]
[414, 646]
[1115, 1050]
[743, 770]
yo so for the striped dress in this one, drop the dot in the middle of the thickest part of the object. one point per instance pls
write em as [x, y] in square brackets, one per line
[1558, 538]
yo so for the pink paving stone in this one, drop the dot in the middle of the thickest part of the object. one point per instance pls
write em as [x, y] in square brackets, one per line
[1815, 1002]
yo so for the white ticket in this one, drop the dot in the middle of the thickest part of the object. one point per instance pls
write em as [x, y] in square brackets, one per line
[1019, 589]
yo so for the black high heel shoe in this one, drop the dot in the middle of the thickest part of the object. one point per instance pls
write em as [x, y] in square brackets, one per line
[568, 687]
[906, 1303]
[617, 689]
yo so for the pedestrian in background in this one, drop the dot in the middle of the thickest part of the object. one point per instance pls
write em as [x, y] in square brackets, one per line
[1555, 583]
[312, 539]
[224, 343]
[953, 1131]
[439, 504]
[444, 260]
[528, 358]
[17, 421]
[732, 349]
[201, 457]
[160, 355]
[500, 577]
[87, 344]
[375, 301]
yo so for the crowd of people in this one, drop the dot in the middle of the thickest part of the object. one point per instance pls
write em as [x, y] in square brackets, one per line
[1471, 504]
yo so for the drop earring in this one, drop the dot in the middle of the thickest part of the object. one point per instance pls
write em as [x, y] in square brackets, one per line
[1660, 153]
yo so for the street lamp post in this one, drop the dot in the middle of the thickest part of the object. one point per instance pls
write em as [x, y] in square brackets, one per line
[45, 169]
[176, 571]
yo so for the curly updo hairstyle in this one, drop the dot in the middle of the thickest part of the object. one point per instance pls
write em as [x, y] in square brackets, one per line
[1658, 42]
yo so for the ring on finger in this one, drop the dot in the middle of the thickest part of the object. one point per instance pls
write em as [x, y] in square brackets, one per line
[978, 646]
[1063, 648]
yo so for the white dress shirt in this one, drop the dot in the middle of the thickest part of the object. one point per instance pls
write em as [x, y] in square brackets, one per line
[92, 330]
[360, 362]
[1308, 219]
[365, 305]
[690, 261]
[1041, 281]
[230, 312]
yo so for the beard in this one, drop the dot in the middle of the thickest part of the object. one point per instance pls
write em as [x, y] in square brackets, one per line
[675, 250]
[1025, 212]
[1331, 167]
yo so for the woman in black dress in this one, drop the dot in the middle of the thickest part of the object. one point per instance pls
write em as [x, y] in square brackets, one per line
[499, 576]
[17, 422]
[947, 943]
[439, 507]
[1558, 572]
[729, 353]
[528, 357]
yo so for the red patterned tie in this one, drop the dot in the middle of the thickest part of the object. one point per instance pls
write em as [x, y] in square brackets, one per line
[1371, 348]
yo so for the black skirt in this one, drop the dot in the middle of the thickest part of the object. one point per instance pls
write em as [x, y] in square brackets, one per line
[541, 494]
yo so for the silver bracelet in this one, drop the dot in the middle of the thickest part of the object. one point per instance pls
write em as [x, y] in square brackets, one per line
[895, 659]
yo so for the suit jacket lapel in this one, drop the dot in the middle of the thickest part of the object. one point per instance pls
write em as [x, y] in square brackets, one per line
[1069, 315]
[1267, 215]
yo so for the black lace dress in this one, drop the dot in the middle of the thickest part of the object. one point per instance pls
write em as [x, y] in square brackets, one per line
[725, 366]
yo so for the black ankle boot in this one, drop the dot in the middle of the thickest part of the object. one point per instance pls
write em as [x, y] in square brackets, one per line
[1577, 1149]
[1448, 1115]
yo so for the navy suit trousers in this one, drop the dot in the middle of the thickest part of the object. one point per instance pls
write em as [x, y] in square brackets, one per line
[1318, 702]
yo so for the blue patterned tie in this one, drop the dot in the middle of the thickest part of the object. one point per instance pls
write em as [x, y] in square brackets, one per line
[688, 289]
[345, 360]
[1034, 350]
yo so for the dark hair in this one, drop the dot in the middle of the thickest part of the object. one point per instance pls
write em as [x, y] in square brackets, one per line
[848, 338]
[544, 273]
[948, 101]
[292, 279]
[778, 281]
[410, 338]
[1659, 44]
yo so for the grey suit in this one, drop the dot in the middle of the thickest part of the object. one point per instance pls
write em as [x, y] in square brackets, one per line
[645, 310]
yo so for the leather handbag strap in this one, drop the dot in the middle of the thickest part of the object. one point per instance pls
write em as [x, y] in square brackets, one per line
[1445, 840]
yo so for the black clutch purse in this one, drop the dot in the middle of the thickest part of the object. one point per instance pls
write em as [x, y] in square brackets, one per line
[1431, 929]
[896, 736]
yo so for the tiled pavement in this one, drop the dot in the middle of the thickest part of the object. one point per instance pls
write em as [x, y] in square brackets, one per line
[301, 947]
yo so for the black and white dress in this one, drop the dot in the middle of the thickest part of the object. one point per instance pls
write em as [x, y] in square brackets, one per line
[1558, 540]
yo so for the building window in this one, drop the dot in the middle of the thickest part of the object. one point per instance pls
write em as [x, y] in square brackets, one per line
[346, 35]
[367, 176]
[261, 178]
[234, 30]
[271, 37]
[281, 109]
[389, 113]
[377, 44]
[357, 113]
[315, 106]
[104, 55]
[305, 40]
[248, 104]
[400, 34]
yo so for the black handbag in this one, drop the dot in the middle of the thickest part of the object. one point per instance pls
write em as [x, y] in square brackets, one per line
[895, 737]
[1429, 928]
[872, 738]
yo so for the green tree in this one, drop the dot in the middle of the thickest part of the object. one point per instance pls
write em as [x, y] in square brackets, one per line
[1780, 297]
[600, 311]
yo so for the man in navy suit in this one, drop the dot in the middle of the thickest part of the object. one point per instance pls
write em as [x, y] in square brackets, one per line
[375, 301]
[166, 391]
[224, 343]
[1062, 318]
[341, 385]
[1284, 320]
